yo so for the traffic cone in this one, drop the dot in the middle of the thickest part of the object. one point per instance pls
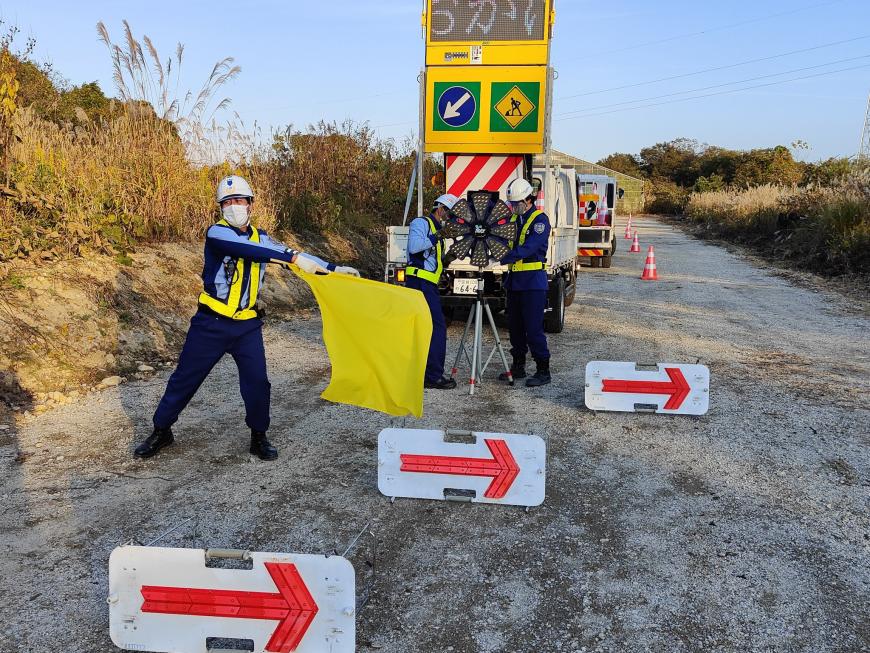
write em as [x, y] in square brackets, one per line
[649, 268]
[628, 230]
[635, 245]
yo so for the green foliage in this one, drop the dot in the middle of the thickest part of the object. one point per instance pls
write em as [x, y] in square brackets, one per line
[666, 198]
[693, 166]
[625, 163]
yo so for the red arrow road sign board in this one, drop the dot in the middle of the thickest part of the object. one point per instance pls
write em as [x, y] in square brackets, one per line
[677, 388]
[669, 388]
[502, 467]
[293, 606]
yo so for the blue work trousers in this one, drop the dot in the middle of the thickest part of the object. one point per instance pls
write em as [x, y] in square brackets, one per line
[208, 339]
[438, 344]
[525, 309]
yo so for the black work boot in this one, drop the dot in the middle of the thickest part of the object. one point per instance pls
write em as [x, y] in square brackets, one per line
[518, 370]
[155, 442]
[261, 447]
[541, 375]
[441, 384]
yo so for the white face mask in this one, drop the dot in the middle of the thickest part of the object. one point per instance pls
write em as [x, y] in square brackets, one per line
[236, 215]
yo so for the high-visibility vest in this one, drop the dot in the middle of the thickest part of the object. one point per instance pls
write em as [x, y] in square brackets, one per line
[522, 266]
[420, 273]
[230, 308]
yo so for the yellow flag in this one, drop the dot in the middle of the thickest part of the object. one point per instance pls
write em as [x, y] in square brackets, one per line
[377, 337]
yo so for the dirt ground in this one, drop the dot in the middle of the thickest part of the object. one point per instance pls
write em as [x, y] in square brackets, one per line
[747, 529]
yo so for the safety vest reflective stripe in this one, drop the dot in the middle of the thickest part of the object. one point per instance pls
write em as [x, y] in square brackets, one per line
[522, 266]
[420, 273]
[230, 308]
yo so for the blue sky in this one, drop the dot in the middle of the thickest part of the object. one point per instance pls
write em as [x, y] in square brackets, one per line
[337, 59]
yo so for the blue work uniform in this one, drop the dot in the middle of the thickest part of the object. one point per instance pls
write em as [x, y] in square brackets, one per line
[423, 272]
[526, 286]
[228, 322]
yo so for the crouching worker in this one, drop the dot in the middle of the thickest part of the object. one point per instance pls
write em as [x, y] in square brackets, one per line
[228, 320]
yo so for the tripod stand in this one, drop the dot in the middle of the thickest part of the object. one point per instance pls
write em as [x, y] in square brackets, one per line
[475, 360]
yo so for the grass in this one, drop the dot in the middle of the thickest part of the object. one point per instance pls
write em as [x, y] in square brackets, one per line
[824, 228]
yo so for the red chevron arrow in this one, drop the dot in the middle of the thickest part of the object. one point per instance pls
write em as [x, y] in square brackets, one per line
[677, 387]
[502, 467]
[293, 606]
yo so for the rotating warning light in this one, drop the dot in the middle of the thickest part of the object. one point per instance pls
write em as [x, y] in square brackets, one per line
[481, 229]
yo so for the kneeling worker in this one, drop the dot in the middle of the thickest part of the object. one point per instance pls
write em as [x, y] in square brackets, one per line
[228, 320]
[526, 285]
[423, 274]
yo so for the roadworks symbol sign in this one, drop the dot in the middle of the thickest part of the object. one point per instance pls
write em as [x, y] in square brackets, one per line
[516, 106]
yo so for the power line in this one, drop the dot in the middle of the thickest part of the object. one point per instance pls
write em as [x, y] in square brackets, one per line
[726, 27]
[698, 97]
[708, 70]
[707, 88]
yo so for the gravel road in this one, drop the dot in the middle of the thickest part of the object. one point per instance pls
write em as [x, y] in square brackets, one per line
[747, 529]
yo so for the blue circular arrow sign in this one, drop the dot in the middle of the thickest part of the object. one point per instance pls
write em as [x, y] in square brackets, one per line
[457, 106]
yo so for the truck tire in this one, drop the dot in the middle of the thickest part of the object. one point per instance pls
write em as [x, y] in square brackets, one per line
[613, 246]
[595, 261]
[554, 320]
[606, 260]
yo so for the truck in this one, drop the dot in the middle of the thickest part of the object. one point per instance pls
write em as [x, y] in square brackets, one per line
[596, 202]
[556, 189]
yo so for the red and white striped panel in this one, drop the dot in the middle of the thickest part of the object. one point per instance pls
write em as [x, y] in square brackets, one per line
[482, 172]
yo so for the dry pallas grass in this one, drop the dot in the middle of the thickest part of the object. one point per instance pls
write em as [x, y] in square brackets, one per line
[824, 227]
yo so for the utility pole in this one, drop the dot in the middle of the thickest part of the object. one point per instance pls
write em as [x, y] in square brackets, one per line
[864, 148]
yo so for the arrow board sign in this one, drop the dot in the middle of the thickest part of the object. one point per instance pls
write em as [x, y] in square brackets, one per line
[672, 388]
[164, 599]
[477, 467]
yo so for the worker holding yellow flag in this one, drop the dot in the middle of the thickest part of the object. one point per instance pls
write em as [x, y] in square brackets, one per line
[228, 318]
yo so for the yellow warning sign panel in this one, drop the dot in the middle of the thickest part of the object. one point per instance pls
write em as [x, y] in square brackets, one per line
[493, 109]
[491, 33]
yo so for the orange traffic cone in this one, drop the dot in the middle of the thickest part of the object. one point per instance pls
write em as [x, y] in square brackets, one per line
[635, 245]
[649, 268]
[628, 230]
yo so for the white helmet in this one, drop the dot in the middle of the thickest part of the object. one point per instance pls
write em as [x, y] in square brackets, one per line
[448, 200]
[518, 190]
[233, 186]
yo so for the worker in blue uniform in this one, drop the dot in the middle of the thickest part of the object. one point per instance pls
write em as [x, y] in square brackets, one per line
[228, 320]
[526, 285]
[424, 269]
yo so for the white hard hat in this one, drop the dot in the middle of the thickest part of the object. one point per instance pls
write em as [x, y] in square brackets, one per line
[448, 200]
[518, 190]
[233, 186]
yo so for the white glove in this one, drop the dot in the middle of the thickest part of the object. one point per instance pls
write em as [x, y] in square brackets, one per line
[343, 269]
[309, 265]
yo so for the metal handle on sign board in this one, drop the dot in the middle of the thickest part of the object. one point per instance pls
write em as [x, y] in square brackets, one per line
[231, 554]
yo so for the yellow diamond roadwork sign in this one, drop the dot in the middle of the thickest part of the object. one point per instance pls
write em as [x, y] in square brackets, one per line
[492, 109]
[513, 108]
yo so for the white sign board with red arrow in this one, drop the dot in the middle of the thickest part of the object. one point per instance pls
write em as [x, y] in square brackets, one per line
[168, 600]
[478, 467]
[672, 388]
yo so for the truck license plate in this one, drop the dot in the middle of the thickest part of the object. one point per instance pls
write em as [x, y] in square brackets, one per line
[465, 286]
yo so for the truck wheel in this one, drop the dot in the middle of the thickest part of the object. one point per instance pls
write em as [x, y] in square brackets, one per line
[613, 246]
[595, 261]
[606, 260]
[554, 321]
